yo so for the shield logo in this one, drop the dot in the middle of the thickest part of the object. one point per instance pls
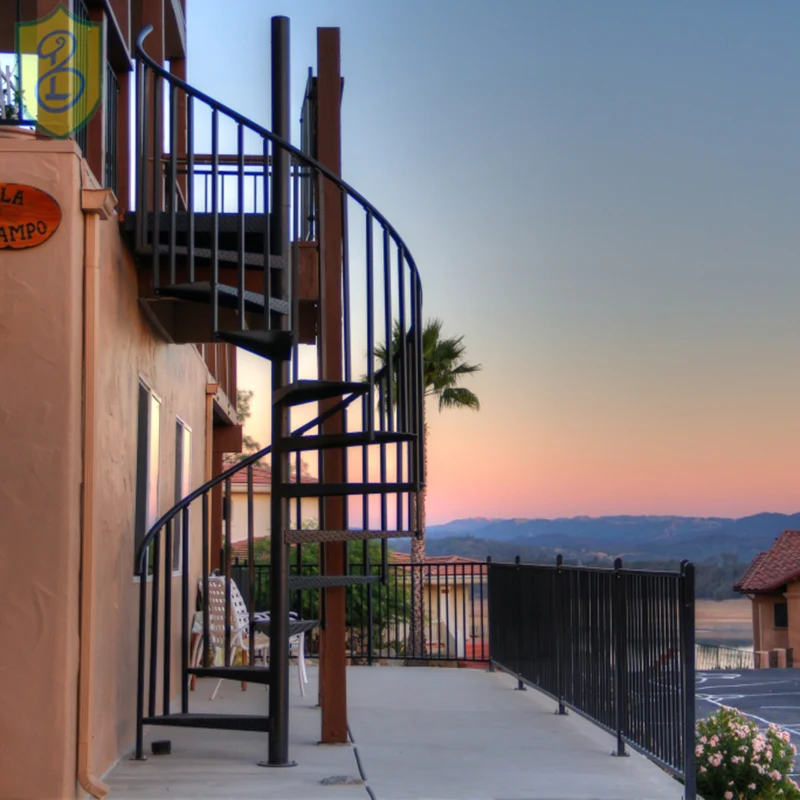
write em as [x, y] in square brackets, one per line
[64, 83]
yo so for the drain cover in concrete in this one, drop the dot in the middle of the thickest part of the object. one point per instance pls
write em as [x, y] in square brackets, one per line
[341, 780]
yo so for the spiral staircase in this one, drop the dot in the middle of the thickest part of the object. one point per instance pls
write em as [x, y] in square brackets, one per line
[231, 247]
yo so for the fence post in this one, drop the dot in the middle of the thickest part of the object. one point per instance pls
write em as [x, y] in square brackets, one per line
[520, 625]
[687, 649]
[489, 609]
[370, 616]
[558, 618]
[619, 602]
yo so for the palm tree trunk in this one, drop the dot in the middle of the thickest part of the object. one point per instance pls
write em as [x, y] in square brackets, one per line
[416, 641]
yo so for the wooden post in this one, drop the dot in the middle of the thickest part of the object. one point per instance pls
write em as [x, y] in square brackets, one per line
[333, 686]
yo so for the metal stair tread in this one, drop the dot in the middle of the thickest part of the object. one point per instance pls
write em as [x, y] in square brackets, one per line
[251, 259]
[267, 344]
[200, 291]
[354, 439]
[326, 581]
[238, 673]
[309, 391]
[225, 722]
[343, 489]
[227, 222]
[302, 536]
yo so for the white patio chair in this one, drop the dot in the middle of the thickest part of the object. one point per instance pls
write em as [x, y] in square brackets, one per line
[240, 624]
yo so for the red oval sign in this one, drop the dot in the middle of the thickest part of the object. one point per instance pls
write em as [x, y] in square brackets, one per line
[28, 216]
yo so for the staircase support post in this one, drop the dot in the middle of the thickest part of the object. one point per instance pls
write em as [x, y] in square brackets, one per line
[333, 660]
[279, 588]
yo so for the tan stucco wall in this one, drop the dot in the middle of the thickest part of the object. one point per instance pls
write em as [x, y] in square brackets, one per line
[40, 473]
[178, 376]
[793, 603]
[766, 635]
[41, 328]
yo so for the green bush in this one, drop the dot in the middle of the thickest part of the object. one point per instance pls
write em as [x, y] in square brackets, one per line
[737, 762]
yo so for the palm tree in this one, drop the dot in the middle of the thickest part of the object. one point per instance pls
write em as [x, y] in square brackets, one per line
[443, 368]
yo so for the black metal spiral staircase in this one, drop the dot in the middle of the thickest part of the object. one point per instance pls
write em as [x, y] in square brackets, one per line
[218, 241]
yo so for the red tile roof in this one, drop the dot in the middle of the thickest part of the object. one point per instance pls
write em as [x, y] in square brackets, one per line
[262, 476]
[771, 570]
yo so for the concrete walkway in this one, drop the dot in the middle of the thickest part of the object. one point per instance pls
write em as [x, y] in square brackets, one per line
[419, 734]
[462, 734]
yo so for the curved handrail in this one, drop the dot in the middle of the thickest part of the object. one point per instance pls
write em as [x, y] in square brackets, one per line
[190, 498]
[280, 142]
[221, 478]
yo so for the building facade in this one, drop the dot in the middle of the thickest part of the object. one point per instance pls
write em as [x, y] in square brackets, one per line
[105, 423]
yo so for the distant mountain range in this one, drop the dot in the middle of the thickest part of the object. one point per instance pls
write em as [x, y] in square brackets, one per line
[634, 538]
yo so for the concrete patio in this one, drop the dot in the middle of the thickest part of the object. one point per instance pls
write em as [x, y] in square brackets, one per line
[433, 733]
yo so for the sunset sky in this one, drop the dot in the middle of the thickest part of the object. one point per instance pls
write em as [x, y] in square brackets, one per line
[604, 198]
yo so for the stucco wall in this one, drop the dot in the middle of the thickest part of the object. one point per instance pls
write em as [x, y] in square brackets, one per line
[40, 475]
[770, 637]
[41, 440]
[261, 504]
[178, 376]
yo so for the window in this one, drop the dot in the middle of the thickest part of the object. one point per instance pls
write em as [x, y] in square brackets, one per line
[781, 615]
[183, 473]
[147, 457]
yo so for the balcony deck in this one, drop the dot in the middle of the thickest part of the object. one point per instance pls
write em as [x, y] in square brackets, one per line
[449, 734]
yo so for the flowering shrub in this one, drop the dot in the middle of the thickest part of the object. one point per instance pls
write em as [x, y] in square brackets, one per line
[736, 762]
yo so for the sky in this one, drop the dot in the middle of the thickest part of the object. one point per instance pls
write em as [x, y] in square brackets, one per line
[603, 198]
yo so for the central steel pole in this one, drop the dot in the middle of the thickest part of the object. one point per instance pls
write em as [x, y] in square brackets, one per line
[279, 589]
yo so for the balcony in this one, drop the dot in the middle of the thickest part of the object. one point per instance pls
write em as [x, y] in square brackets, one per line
[417, 733]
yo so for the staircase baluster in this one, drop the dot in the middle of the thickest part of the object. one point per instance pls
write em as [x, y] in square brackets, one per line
[140, 676]
[141, 162]
[173, 178]
[267, 234]
[158, 184]
[215, 220]
[348, 367]
[240, 268]
[206, 568]
[226, 504]
[370, 329]
[185, 612]
[251, 571]
[190, 178]
[387, 323]
[167, 617]
[154, 623]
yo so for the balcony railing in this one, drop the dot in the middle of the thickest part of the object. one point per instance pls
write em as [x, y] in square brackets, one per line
[616, 646]
[378, 616]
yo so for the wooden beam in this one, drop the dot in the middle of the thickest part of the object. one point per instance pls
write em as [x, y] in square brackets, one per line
[333, 681]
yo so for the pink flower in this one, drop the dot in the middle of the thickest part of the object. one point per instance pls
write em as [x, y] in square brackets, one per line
[728, 795]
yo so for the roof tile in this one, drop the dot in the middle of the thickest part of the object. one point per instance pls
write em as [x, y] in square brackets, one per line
[771, 570]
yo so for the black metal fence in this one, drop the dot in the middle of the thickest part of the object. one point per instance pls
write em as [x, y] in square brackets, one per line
[615, 645]
[379, 616]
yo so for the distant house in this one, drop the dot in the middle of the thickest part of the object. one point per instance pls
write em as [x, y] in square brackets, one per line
[262, 491]
[456, 603]
[772, 583]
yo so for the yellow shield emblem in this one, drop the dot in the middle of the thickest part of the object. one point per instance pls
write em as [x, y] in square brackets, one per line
[64, 82]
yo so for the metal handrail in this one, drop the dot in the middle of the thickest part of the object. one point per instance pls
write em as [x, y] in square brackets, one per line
[282, 143]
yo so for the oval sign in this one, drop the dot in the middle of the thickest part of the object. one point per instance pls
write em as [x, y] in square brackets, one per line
[28, 216]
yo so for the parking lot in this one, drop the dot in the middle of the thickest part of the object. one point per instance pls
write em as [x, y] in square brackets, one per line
[768, 695]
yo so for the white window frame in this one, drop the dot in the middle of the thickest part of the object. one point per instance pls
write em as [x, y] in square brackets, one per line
[183, 470]
[152, 468]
